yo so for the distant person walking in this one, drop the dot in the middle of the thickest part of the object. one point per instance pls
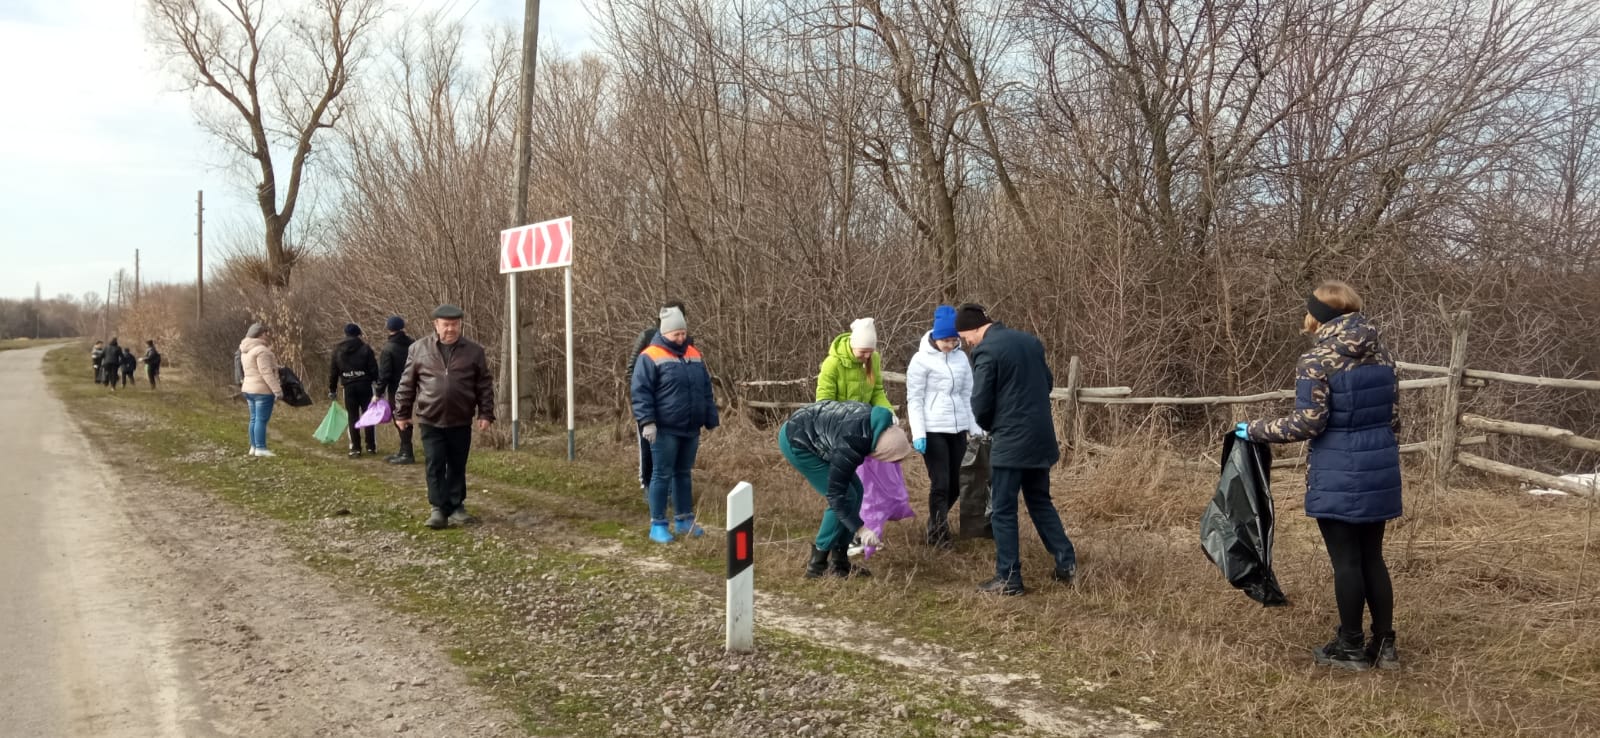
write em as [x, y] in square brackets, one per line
[446, 379]
[354, 366]
[260, 387]
[152, 363]
[96, 356]
[111, 364]
[130, 364]
[391, 362]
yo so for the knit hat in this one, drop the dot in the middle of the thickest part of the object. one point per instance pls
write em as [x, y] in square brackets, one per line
[352, 330]
[892, 445]
[672, 320]
[395, 323]
[944, 322]
[971, 316]
[255, 330]
[863, 334]
[447, 312]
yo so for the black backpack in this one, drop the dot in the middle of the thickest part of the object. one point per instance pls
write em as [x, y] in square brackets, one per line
[294, 392]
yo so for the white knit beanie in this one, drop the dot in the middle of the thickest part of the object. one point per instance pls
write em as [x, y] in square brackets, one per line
[672, 320]
[863, 334]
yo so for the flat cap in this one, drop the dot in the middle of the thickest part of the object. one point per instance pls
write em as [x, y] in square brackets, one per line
[447, 312]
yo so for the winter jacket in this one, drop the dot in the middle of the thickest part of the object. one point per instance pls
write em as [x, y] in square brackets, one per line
[352, 363]
[844, 435]
[1345, 397]
[129, 361]
[1011, 398]
[260, 368]
[671, 387]
[939, 391]
[392, 361]
[97, 355]
[442, 395]
[842, 377]
[152, 358]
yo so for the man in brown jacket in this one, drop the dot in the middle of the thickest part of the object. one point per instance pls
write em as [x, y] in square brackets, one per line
[445, 380]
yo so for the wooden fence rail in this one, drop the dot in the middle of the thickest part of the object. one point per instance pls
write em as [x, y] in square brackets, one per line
[1454, 378]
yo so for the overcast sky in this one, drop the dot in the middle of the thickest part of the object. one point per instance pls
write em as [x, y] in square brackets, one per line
[99, 155]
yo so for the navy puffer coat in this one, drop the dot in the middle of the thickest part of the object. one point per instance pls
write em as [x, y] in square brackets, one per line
[1345, 398]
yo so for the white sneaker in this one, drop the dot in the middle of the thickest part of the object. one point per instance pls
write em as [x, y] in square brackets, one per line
[264, 452]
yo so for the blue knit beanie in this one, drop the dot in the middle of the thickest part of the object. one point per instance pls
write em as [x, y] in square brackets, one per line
[944, 322]
[395, 323]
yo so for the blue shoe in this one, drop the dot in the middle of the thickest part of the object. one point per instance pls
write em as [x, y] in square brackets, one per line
[659, 533]
[686, 527]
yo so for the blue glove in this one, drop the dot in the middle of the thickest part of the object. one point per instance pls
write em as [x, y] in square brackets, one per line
[921, 445]
[1242, 430]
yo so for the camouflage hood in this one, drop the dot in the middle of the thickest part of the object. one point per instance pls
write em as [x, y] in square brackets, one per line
[1350, 335]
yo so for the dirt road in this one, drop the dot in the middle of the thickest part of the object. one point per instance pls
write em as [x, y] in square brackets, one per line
[129, 608]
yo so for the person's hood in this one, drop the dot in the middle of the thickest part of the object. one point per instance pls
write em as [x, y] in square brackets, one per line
[349, 346]
[1350, 335]
[677, 349]
[248, 343]
[925, 346]
[841, 349]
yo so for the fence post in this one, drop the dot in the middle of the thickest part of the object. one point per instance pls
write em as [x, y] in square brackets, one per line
[1450, 412]
[1072, 420]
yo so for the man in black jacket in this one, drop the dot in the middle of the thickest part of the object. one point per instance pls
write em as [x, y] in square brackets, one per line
[152, 363]
[646, 465]
[355, 367]
[1011, 398]
[391, 362]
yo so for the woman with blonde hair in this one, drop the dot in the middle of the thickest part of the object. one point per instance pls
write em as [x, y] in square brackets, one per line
[1345, 401]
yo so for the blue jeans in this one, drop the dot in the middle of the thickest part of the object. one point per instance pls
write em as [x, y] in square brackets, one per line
[260, 413]
[1035, 487]
[673, 458]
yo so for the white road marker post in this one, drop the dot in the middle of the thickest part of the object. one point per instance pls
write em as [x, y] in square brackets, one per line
[741, 572]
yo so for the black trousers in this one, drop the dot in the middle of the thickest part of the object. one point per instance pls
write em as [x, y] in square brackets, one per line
[356, 399]
[154, 375]
[405, 433]
[1360, 577]
[943, 459]
[447, 450]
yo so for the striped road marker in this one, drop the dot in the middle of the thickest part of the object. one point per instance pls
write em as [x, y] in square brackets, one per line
[741, 576]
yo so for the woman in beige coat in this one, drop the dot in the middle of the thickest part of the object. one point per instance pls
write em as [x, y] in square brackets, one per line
[260, 387]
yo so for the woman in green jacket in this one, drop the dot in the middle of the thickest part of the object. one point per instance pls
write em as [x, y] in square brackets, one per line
[853, 370]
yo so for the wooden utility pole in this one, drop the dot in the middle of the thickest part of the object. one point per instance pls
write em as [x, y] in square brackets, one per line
[138, 286]
[38, 307]
[200, 256]
[522, 155]
[105, 324]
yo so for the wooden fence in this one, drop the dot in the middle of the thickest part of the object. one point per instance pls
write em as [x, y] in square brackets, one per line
[1453, 378]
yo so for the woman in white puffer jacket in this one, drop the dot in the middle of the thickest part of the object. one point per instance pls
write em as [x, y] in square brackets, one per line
[939, 404]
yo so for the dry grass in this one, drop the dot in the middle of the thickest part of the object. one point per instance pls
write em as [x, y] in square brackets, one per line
[1497, 605]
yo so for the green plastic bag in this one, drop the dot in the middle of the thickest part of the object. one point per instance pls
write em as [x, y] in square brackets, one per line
[334, 425]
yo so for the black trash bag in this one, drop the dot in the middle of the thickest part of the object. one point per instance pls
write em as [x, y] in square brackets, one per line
[1236, 529]
[973, 496]
[294, 392]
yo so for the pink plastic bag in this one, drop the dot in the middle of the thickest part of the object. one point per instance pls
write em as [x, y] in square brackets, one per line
[377, 413]
[884, 497]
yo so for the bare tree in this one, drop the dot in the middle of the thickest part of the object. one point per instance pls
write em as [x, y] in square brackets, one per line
[266, 81]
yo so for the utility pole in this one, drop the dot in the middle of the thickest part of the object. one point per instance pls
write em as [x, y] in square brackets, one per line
[105, 326]
[523, 156]
[200, 256]
[138, 286]
[38, 307]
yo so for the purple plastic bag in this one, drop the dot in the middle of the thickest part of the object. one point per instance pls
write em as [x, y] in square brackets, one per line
[884, 497]
[377, 413]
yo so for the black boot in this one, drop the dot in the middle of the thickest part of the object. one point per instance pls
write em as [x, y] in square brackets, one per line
[818, 565]
[437, 520]
[1343, 652]
[841, 563]
[1381, 653]
[939, 530]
